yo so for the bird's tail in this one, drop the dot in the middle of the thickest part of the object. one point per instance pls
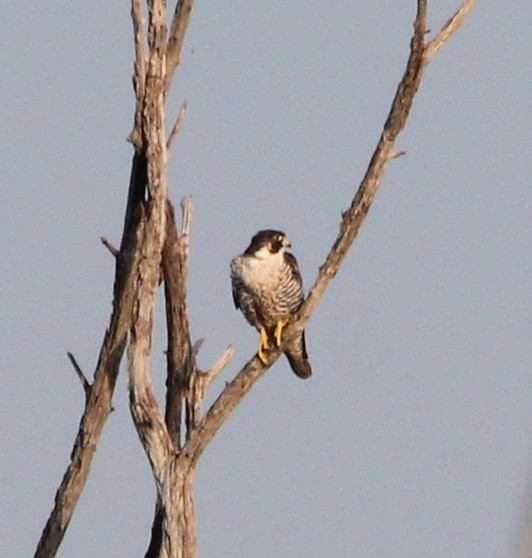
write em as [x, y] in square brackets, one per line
[297, 357]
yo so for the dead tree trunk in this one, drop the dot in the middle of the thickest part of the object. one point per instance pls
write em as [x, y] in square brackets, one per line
[151, 250]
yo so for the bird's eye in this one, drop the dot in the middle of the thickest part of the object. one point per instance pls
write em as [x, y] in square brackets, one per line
[275, 246]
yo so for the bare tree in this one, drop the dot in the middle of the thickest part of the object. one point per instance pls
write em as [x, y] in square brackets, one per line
[151, 249]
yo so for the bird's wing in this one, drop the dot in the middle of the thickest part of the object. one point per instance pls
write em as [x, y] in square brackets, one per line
[236, 296]
[292, 263]
[296, 353]
[236, 285]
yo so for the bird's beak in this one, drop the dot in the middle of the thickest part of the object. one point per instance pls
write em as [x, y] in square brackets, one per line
[286, 242]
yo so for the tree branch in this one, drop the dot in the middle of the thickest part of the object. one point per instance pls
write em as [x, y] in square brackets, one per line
[180, 355]
[143, 405]
[114, 251]
[139, 73]
[197, 387]
[177, 126]
[176, 38]
[448, 29]
[85, 384]
[352, 220]
[180, 361]
[98, 406]
[219, 365]
[173, 529]
[220, 410]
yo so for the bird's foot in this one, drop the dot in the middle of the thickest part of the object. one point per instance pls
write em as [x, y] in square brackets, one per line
[263, 355]
[279, 330]
[264, 346]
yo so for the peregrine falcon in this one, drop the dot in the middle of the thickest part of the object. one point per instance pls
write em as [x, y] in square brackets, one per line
[268, 289]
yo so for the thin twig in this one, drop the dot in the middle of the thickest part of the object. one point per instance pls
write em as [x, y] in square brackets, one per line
[452, 25]
[177, 125]
[199, 382]
[186, 212]
[176, 38]
[396, 154]
[85, 384]
[114, 251]
[220, 364]
[139, 72]
[196, 347]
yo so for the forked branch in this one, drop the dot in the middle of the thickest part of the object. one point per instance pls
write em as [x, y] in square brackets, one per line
[128, 272]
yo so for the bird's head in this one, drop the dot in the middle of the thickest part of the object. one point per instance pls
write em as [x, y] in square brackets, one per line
[268, 243]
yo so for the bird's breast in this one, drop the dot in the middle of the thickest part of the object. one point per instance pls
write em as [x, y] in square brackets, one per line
[260, 274]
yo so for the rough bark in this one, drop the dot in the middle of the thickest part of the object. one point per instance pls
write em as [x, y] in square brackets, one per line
[127, 273]
[179, 356]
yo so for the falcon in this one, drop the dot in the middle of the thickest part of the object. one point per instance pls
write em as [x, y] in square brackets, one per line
[268, 289]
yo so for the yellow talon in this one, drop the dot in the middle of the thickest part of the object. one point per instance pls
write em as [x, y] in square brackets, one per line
[264, 340]
[279, 330]
[263, 357]
[263, 346]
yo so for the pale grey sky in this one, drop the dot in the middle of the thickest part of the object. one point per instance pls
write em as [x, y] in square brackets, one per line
[414, 436]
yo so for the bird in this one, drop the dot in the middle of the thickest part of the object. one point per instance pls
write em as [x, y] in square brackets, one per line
[268, 289]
